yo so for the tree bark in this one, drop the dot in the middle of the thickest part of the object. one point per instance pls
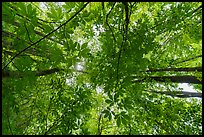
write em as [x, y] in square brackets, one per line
[176, 79]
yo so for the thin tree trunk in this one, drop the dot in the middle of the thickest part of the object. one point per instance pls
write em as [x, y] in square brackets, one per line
[180, 94]
[176, 79]
[176, 69]
[18, 74]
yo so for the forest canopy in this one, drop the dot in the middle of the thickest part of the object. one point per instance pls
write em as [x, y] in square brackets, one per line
[101, 68]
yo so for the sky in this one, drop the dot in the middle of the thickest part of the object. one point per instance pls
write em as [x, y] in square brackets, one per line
[187, 87]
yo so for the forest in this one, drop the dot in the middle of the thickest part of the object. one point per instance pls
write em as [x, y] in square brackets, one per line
[101, 68]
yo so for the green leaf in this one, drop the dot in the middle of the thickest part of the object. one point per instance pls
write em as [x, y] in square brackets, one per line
[124, 121]
[110, 116]
[123, 113]
[105, 112]
[47, 28]
[118, 121]
[108, 101]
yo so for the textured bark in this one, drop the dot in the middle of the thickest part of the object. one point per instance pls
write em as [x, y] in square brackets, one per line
[176, 79]
[183, 94]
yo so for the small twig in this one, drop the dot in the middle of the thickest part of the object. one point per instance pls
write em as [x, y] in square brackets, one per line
[15, 66]
[27, 33]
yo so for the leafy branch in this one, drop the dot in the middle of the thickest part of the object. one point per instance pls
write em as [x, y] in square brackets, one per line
[24, 17]
[36, 32]
[164, 21]
[46, 35]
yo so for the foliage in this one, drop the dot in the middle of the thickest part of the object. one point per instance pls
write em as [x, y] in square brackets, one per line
[85, 68]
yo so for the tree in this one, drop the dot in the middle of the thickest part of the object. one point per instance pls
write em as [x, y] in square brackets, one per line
[101, 68]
